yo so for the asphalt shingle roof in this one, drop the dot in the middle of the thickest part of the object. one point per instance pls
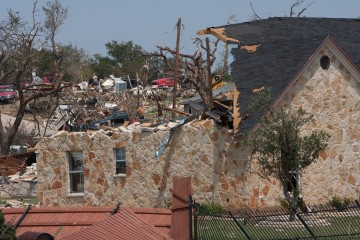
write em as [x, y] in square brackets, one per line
[286, 46]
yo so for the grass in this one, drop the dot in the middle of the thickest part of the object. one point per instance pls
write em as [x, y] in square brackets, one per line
[32, 201]
[29, 200]
[227, 229]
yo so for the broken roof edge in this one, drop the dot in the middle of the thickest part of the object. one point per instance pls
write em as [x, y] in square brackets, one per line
[164, 127]
[218, 32]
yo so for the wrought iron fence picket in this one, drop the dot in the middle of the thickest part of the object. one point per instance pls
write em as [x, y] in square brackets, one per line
[322, 222]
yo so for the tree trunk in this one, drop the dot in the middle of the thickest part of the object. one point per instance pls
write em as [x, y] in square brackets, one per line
[208, 80]
[290, 200]
[8, 137]
[5, 146]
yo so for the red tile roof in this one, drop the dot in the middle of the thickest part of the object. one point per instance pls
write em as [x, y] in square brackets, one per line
[160, 218]
[123, 225]
[55, 221]
[60, 222]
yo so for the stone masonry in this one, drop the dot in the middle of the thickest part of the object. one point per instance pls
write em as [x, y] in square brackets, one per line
[220, 167]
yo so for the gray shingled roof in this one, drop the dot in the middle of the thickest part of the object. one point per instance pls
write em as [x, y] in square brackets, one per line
[286, 46]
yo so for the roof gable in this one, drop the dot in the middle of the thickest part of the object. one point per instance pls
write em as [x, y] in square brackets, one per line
[334, 47]
[283, 48]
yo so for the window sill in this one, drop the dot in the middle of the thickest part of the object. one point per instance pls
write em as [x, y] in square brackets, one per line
[74, 195]
[121, 175]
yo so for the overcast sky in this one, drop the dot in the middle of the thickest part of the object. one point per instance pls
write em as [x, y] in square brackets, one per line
[92, 23]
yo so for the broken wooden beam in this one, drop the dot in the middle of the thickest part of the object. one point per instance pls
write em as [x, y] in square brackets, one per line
[223, 105]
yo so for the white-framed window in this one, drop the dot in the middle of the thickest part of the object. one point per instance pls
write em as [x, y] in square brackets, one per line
[120, 161]
[76, 172]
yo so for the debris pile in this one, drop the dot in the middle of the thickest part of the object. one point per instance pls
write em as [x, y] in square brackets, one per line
[134, 108]
[29, 175]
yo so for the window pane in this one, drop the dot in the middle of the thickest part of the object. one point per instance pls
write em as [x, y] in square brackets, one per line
[75, 161]
[76, 172]
[76, 182]
[120, 167]
[120, 154]
[120, 163]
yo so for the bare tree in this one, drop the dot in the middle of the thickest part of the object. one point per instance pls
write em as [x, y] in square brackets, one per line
[17, 60]
[198, 68]
[297, 9]
[301, 5]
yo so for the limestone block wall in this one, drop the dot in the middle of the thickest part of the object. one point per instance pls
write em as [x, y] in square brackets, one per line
[333, 97]
[190, 153]
[18, 189]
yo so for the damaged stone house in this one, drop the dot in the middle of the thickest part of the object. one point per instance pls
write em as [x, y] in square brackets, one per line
[308, 63]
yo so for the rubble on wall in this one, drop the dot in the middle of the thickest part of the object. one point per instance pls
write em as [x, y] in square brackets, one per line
[30, 175]
[93, 108]
[22, 183]
[19, 175]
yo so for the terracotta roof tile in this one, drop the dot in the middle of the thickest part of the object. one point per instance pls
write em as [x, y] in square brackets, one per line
[123, 225]
[55, 221]
[61, 222]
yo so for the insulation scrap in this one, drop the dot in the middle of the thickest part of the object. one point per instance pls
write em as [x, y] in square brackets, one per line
[250, 48]
[219, 33]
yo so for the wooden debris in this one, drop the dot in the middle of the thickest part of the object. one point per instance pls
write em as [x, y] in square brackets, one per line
[223, 105]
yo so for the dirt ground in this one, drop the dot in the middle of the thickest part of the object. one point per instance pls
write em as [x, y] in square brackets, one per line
[9, 108]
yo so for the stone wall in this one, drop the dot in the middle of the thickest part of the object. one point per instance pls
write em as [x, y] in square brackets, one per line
[23, 189]
[333, 97]
[190, 153]
[220, 167]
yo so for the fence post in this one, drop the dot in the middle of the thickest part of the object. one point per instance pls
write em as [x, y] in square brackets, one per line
[302, 220]
[239, 225]
[180, 208]
[190, 216]
[196, 236]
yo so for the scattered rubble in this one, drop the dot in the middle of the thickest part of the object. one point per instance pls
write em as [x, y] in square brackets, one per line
[30, 175]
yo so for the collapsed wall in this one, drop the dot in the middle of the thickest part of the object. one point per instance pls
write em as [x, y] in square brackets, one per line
[21, 185]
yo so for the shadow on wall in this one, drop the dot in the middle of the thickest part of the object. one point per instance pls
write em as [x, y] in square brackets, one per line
[161, 201]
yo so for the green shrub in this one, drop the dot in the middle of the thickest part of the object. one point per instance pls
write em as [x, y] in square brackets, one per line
[284, 204]
[212, 208]
[7, 232]
[338, 203]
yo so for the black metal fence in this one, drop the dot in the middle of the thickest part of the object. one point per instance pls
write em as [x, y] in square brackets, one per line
[320, 222]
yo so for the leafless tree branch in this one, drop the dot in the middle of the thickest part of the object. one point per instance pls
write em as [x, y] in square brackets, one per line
[305, 8]
[254, 15]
